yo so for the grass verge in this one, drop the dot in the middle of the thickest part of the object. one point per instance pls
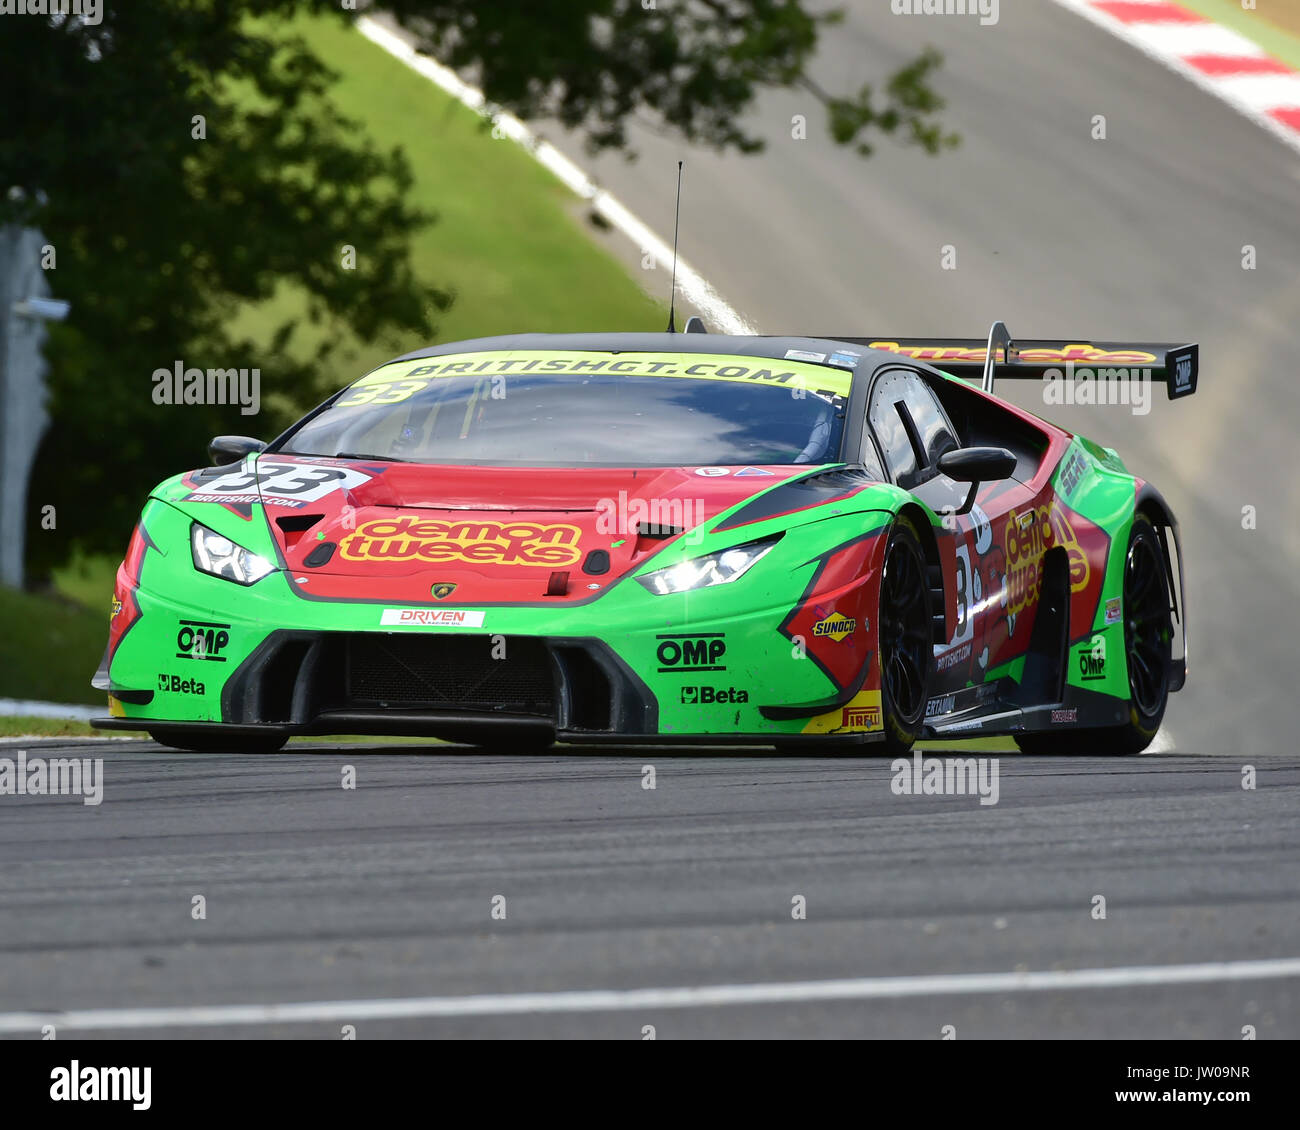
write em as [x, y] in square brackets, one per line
[50, 647]
[22, 726]
[507, 241]
[1275, 27]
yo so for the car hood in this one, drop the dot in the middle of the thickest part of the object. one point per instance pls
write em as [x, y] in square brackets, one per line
[411, 533]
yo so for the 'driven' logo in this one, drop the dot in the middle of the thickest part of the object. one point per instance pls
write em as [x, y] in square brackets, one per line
[430, 618]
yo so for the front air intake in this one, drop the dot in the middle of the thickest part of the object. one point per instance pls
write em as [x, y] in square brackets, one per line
[501, 674]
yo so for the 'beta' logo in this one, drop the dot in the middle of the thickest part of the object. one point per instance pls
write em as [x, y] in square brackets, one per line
[709, 696]
[176, 685]
[691, 653]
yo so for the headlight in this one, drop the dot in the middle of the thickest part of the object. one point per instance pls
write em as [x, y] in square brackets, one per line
[222, 557]
[719, 568]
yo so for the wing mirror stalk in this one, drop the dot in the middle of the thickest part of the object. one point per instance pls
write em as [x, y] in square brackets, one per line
[976, 465]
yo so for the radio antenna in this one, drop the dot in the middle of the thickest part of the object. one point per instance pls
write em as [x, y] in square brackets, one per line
[672, 299]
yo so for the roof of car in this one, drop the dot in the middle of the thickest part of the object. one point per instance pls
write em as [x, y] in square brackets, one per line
[775, 348]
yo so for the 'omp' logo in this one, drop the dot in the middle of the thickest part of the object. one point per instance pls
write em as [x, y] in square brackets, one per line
[836, 626]
[691, 653]
[1029, 535]
[480, 542]
[1092, 660]
[198, 640]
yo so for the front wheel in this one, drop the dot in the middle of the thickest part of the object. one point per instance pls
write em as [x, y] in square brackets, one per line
[906, 639]
[906, 653]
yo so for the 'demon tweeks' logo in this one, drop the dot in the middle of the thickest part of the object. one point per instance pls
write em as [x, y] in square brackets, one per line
[477, 542]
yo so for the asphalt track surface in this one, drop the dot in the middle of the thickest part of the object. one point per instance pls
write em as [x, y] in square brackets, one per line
[383, 893]
[319, 894]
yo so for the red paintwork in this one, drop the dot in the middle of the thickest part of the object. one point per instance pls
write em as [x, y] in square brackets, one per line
[845, 585]
[497, 534]
[126, 608]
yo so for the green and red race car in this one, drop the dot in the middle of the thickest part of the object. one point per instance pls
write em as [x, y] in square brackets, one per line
[802, 542]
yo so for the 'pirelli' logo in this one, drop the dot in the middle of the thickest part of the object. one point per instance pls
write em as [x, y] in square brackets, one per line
[861, 717]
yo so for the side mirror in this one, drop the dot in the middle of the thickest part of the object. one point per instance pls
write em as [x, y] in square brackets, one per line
[977, 464]
[231, 449]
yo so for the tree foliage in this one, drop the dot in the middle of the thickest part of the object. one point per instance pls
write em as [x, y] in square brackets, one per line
[694, 66]
[161, 234]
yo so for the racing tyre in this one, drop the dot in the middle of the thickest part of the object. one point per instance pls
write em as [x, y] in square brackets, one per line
[1148, 649]
[906, 640]
[906, 654]
[218, 743]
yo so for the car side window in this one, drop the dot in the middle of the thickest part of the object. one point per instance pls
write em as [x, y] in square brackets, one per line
[909, 423]
[888, 397]
[931, 423]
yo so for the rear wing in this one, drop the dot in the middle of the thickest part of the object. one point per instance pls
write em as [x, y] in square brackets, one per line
[1000, 357]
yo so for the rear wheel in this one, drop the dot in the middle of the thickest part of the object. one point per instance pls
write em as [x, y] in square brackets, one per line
[905, 634]
[1148, 648]
[198, 742]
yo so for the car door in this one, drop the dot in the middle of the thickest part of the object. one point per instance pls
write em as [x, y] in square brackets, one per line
[914, 432]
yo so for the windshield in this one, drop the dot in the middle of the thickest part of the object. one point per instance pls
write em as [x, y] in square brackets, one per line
[567, 420]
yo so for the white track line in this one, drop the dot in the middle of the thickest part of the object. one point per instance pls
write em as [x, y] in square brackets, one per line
[1176, 44]
[28, 708]
[621, 1000]
[718, 314]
